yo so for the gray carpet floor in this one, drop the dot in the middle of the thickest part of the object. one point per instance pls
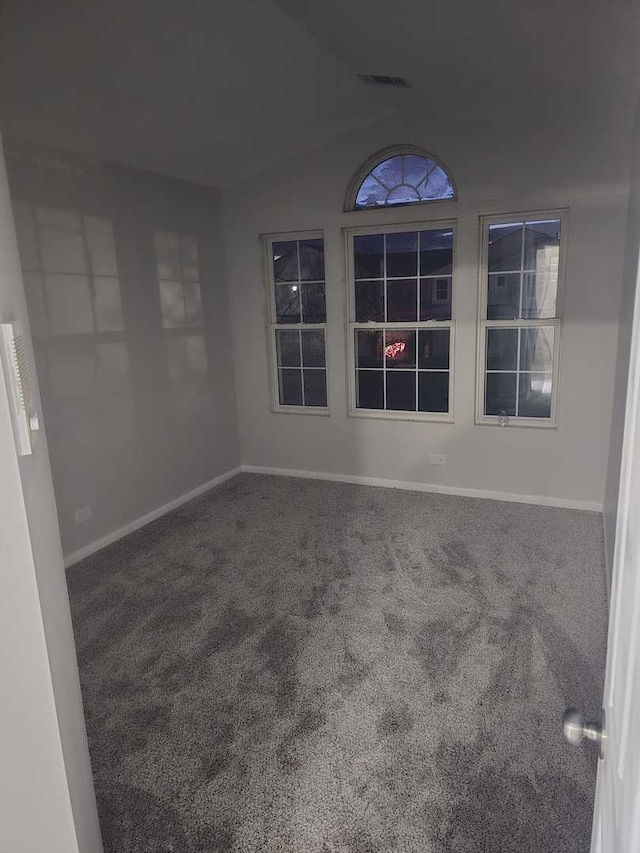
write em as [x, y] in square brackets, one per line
[289, 665]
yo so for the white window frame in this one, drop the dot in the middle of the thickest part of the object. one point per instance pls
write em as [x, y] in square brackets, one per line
[483, 324]
[273, 326]
[351, 325]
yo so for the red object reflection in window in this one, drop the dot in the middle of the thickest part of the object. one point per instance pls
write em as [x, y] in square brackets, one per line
[394, 349]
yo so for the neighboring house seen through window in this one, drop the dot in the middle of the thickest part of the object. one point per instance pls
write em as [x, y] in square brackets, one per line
[520, 319]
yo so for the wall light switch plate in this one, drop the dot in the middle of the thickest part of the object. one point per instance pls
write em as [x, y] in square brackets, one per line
[437, 459]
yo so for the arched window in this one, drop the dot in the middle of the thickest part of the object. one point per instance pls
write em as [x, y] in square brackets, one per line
[400, 176]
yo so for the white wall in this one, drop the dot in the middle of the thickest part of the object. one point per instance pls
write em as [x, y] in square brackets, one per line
[47, 801]
[496, 170]
[631, 253]
[137, 414]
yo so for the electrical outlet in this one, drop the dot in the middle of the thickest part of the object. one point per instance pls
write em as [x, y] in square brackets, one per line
[83, 514]
[437, 459]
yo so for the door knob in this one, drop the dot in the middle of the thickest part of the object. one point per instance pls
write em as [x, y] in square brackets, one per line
[576, 730]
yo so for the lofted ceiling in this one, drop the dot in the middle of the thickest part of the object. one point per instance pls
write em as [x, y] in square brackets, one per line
[216, 90]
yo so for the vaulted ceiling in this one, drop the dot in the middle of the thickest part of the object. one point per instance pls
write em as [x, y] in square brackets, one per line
[216, 90]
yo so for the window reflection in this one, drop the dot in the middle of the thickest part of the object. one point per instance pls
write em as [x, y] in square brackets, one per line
[70, 270]
[72, 286]
[178, 274]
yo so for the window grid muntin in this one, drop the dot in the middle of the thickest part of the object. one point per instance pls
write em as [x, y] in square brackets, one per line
[302, 367]
[275, 326]
[519, 323]
[430, 325]
[418, 325]
[382, 157]
[518, 372]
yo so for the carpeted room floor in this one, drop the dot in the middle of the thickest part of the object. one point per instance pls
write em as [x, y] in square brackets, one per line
[291, 665]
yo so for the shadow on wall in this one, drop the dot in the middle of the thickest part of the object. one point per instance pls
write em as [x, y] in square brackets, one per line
[122, 336]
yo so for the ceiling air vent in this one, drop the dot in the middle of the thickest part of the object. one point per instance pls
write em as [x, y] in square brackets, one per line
[385, 80]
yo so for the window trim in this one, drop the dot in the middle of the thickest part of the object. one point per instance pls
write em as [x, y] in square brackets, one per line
[379, 157]
[351, 325]
[483, 324]
[272, 325]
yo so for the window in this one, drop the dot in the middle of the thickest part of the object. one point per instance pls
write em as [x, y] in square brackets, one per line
[296, 285]
[521, 275]
[399, 176]
[401, 327]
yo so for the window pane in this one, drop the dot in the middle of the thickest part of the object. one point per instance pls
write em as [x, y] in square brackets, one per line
[535, 395]
[502, 349]
[505, 247]
[313, 349]
[402, 305]
[389, 172]
[288, 347]
[313, 304]
[400, 348]
[312, 260]
[403, 194]
[433, 349]
[541, 244]
[370, 389]
[402, 254]
[416, 169]
[290, 387]
[288, 303]
[285, 261]
[368, 255]
[371, 193]
[503, 297]
[401, 391]
[536, 349]
[368, 348]
[433, 305]
[539, 294]
[500, 394]
[433, 392]
[369, 301]
[436, 252]
[315, 387]
[438, 185]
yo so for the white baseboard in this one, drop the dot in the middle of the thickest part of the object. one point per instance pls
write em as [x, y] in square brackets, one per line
[537, 500]
[92, 547]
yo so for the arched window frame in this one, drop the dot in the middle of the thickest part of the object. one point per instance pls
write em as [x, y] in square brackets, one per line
[380, 157]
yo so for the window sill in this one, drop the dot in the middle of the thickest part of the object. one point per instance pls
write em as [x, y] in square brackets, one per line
[419, 417]
[527, 423]
[300, 410]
